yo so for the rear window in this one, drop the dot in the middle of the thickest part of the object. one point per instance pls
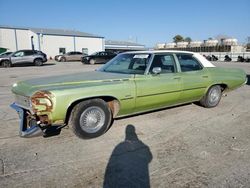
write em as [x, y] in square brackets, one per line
[27, 53]
[188, 63]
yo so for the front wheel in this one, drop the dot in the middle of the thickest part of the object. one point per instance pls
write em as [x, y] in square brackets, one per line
[6, 64]
[63, 59]
[91, 118]
[92, 62]
[212, 97]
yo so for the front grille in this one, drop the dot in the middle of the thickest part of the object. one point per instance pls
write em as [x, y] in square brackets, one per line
[23, 101]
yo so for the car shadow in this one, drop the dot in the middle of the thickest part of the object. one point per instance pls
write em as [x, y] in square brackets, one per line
[30, 65]
[54, 130]
[128, 164]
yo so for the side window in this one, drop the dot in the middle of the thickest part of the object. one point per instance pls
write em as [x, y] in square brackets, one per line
[188, 63]
[165, 62]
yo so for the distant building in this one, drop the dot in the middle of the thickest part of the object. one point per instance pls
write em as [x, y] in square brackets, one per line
[50, 41]
[225, 45]
[113, 45]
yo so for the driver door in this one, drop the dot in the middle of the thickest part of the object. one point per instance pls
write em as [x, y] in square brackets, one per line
[18, 57]
[158, 90]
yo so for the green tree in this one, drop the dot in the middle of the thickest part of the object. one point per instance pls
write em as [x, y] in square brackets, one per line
[188, 39]
[178, 38]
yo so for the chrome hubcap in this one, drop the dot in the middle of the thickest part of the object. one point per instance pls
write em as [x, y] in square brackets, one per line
[92, 119]
[214, 96]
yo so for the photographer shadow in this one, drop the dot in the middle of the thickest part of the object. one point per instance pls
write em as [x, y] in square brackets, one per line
[128, 164]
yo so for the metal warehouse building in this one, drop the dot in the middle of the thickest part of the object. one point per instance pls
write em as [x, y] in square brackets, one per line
[50, 41]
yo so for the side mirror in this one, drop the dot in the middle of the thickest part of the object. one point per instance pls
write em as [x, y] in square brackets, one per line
[156, 70]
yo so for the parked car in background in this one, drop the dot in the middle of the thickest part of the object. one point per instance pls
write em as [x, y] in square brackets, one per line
[211, 58]
[98, 57]
[227, 58]
[240, 59]
[24, 56]
[130, 83]
[5, 54]
[70, 56]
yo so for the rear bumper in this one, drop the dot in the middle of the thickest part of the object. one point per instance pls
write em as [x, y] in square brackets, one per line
[24, 130]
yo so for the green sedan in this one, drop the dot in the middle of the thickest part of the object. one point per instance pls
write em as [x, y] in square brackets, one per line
[131, 83]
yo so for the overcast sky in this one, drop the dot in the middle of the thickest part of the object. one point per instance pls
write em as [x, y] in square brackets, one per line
[147, 21]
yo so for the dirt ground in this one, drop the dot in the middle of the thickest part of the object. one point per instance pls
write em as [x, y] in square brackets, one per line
[185, 146]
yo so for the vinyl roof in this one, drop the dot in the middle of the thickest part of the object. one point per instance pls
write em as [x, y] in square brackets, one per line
[61, 32]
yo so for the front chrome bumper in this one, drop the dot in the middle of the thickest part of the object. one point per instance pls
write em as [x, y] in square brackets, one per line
[24, 129]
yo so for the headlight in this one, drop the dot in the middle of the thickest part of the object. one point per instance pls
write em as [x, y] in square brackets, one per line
[41, 101]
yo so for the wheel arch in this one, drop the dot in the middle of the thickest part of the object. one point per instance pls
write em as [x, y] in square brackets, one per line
[224, 87]
[4, 60]
[113, 103]
[37, 58]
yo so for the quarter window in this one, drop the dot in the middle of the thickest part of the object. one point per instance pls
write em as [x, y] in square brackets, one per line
[165, 62]
[188, 63]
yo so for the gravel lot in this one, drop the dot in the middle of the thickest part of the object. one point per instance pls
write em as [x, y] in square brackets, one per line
[185, 146]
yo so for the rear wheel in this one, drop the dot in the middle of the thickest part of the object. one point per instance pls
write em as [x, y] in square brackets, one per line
[91, 118]
[212, 97]
[38, 62]
[6, 64]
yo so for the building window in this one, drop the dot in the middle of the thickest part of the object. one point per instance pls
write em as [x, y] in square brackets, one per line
[62, 50]
[85, 51]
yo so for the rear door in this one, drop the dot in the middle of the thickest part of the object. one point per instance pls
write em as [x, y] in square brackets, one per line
[29, 56]
[194, 76]
[158, 90]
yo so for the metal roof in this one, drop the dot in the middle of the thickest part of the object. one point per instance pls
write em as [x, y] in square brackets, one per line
[122, 43]
[61, 32]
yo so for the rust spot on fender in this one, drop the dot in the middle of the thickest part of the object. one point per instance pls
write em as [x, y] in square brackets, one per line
[36, 101]
[114, 106]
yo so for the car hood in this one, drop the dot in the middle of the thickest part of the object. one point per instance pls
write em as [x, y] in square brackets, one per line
[83, 79]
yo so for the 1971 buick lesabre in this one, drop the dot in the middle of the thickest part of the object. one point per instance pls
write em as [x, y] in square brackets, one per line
[130, 83]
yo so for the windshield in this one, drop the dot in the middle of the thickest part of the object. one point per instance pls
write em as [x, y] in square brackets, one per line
[127, 64]
[96, 53]
[5, 54]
